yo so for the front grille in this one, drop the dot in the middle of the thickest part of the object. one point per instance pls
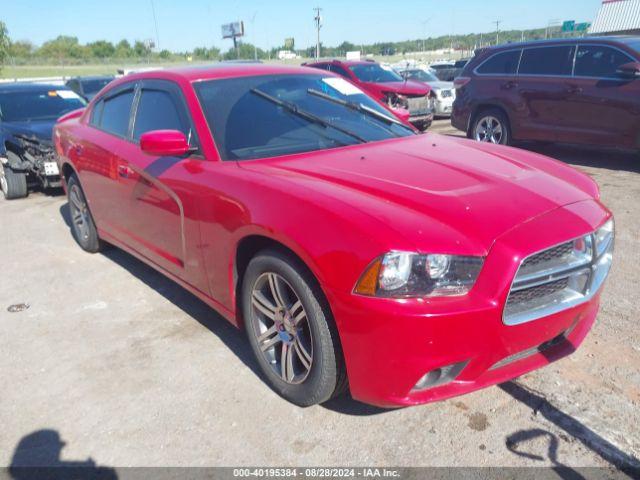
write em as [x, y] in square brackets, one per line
[418, 105]
[553, 254]
[533, 293]
[555, 279]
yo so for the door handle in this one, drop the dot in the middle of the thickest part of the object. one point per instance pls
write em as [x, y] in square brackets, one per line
[125, 171]
[509, 85]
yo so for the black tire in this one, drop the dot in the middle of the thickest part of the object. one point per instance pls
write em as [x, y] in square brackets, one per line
[326, 375]
[83, 227]
[496, 118]
[14, 184]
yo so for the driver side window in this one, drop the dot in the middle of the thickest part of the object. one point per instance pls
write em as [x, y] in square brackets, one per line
[157, 111]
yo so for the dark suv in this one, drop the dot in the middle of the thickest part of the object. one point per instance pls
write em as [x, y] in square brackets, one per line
[583, 91]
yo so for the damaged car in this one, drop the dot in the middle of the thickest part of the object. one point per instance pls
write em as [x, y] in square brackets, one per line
[28, 112]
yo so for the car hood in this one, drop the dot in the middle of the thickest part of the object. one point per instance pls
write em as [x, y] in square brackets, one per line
[441, 192]
[41, 129]
[410, 87]
[441, 85]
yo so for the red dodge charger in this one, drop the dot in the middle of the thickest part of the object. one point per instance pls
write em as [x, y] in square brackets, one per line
[354, 252]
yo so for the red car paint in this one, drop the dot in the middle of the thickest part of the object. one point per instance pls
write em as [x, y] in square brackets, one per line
[380, 90]
[337, 210]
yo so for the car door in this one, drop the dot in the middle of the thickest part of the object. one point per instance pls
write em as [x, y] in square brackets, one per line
[160, 205]
[544, 77]
[99, 155]
[604, 108]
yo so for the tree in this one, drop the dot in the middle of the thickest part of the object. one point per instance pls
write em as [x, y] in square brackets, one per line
[123, 49]
[140, 49]
[101, 49]
[21, 49]
[4, 43]
[62, 48]
[165, 54]
[204, 53]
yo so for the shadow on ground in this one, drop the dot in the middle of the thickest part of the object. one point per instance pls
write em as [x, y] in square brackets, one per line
[624, 462]
[37, 457]
[233, 338]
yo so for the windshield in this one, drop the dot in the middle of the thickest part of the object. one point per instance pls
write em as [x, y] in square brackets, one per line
[374, 73]
[274, 115]
[95, 85]
[421, 75]
[37, 105]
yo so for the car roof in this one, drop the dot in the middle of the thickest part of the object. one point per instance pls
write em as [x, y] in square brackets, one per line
[92, 77]
[29, 87]
[220, 70]
[626, 39]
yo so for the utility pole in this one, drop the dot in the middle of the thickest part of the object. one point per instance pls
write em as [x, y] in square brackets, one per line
[498, 22]
[318, 20]
[253, 34]
[424, 32]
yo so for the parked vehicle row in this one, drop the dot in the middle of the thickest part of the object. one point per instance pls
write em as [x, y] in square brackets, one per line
[354, 252]
[584, 91]
[409, 100]
[442, 93]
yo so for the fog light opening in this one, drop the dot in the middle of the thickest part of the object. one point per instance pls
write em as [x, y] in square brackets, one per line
[439, 376]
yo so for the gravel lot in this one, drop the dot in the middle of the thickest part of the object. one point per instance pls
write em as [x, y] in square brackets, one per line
[130, 370]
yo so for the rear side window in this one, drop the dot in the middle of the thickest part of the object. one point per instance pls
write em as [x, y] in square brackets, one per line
[547, 61]
[157, 111]
[504, 63]
[115, 113]
[599, 61]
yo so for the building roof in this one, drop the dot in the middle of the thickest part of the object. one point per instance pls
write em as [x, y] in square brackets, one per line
[617, 16]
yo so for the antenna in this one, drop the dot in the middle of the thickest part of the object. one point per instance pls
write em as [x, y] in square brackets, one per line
[318, 20]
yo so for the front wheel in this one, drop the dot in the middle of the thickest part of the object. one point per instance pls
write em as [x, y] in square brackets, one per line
[491, 126]
[291, 334]
[13, 184]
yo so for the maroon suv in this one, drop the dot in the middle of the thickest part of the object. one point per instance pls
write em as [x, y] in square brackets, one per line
[583, 91]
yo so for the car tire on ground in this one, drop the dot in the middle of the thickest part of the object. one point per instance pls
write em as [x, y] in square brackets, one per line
[491, 125]
[291, 330]
[13, 184]
[82, 225]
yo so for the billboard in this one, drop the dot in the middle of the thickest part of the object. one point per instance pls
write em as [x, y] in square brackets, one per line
[233, 30]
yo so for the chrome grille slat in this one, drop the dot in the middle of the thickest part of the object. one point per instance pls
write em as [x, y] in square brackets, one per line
[555, 279]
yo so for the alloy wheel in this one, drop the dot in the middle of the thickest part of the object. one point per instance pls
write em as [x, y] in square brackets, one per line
[489, 129]
[79, 212]
[280, 323]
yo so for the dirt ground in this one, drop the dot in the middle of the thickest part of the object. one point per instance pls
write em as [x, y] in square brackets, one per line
[130, 370]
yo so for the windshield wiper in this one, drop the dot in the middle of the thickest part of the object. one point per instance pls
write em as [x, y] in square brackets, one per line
[360, 108]
[308, 116]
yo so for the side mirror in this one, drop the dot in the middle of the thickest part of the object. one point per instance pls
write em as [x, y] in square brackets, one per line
[629, 70]
[164, 143]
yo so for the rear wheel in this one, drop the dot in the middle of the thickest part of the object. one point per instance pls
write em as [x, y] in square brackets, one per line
[491, 126]
[82, 224]
[291, 334]
[13, 184]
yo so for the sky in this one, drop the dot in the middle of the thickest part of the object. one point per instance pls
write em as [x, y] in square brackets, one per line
[185, 24]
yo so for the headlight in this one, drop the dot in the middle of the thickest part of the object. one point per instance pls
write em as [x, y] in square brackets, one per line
[395, 100]
[406, 274]
[604, 238]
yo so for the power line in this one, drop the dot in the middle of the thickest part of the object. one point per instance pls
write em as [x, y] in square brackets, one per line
[155, 22]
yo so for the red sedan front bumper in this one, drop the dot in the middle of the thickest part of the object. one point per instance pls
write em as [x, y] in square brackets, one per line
[389, 345]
